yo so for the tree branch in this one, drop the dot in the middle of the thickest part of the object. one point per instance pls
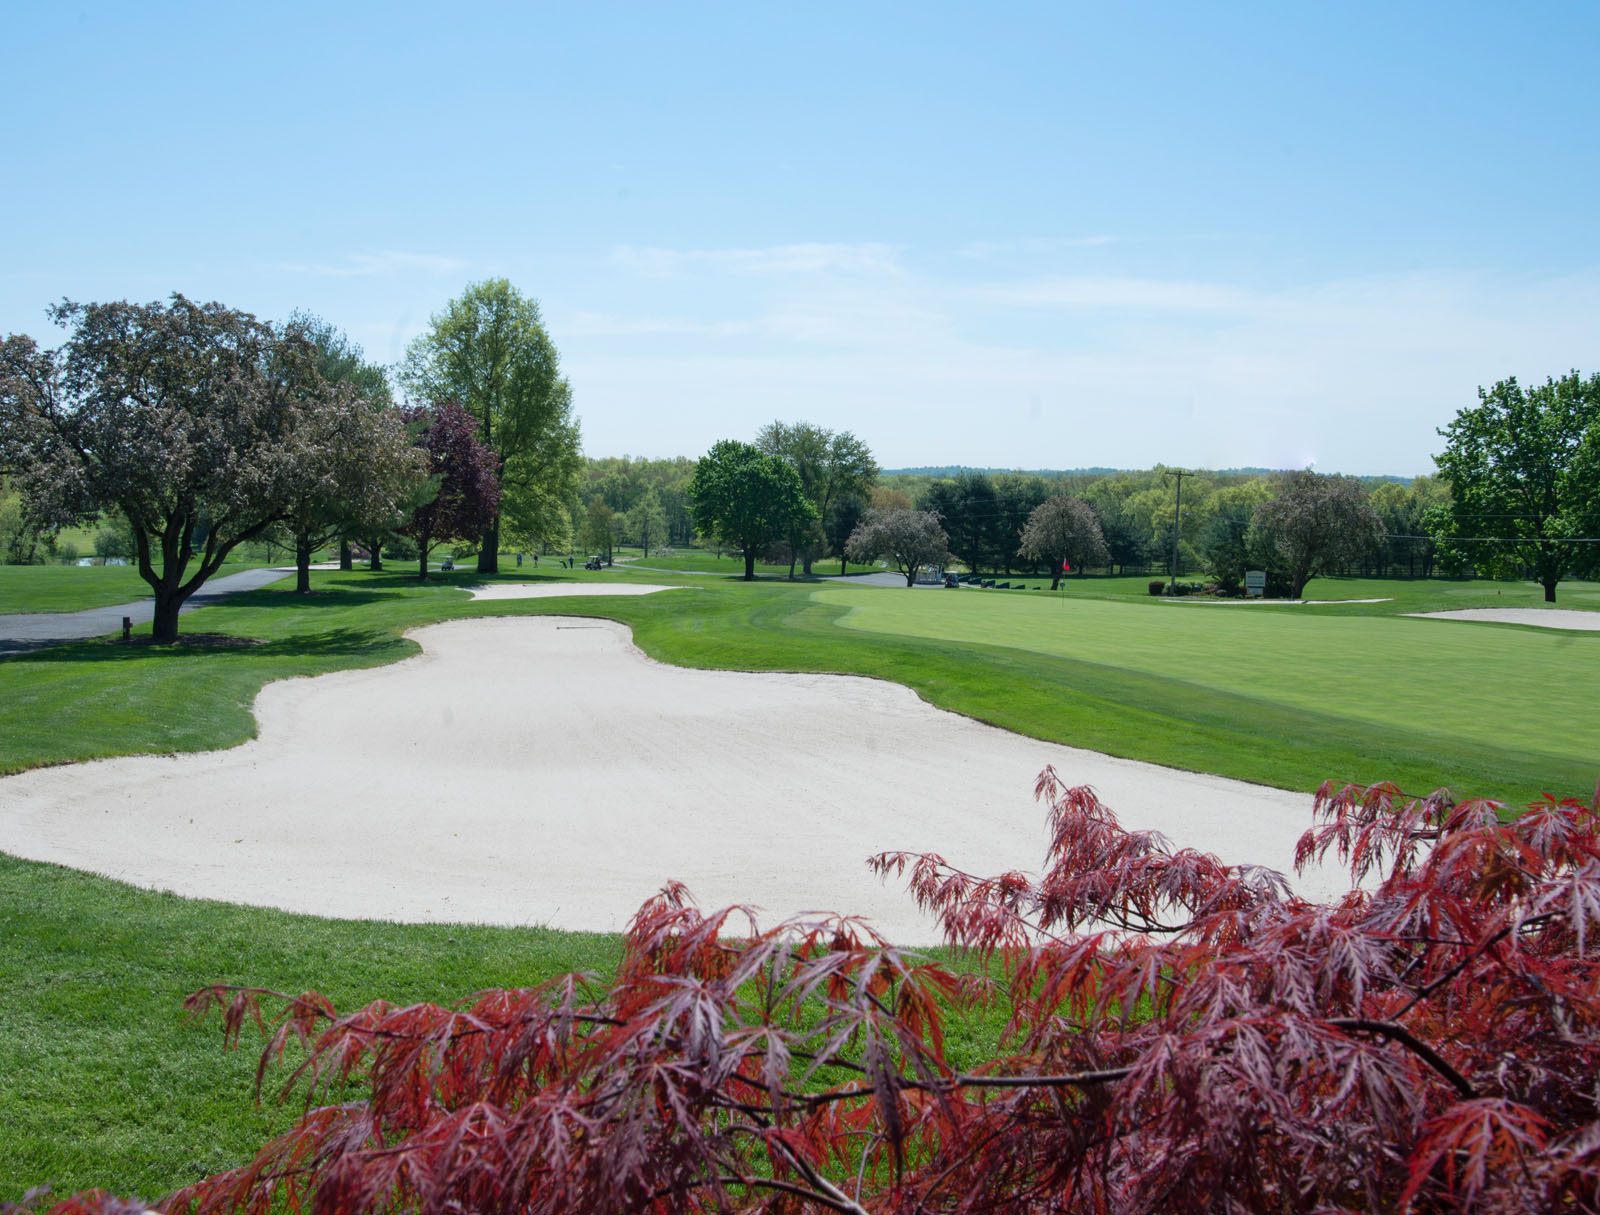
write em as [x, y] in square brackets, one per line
[1400, 1034]
[798, 1190]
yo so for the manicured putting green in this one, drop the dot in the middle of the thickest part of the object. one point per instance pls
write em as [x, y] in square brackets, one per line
[1522, 688]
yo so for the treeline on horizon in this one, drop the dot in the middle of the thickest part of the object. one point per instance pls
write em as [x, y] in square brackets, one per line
[984, 513]
[129, 429]
[953, 470]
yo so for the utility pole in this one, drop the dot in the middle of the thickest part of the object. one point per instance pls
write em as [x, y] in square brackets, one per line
[1177, 531]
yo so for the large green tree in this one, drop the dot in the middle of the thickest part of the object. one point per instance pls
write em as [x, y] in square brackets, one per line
[598, 534]
[830, 466]
[969, 508]
[341, 361]
[1524, 473]
[361, 471]
[647, 521]
[1317, 523]
[21, 534]
[489, 350]
[188, 418]
[359, 474]
[844, 514]
[1404, 509]
[747, 499]
[1228, 546]
[1016, 498]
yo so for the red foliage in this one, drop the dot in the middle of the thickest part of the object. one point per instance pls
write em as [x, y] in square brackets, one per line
[1184, 1035]
[464, 470]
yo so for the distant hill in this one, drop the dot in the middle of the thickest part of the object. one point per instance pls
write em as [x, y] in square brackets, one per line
[951, 470]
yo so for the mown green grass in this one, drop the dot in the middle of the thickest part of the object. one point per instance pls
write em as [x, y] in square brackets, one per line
[74, 588]
[1396, 594]
[1508, 690]
[703, 561]
[105, 1085]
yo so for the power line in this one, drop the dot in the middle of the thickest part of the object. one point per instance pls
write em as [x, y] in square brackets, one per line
[1502, 539]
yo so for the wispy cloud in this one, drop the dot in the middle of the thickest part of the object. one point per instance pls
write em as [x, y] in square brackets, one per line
[812, 258]
[385, 261]
[605, 324]
[1355, 374]
[1040, 244]
[1151, 295]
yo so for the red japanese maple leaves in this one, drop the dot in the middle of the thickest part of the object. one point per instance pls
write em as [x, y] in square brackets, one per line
[1180, 1035]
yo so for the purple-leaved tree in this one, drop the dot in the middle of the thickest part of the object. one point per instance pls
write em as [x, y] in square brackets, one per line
[462, 493]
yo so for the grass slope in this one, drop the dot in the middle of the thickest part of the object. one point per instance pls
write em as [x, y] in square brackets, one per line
[106, 1084]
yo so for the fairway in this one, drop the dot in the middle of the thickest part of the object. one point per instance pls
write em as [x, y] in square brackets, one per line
[1500, 688]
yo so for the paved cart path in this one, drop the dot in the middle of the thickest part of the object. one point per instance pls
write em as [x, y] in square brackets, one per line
[24, 631]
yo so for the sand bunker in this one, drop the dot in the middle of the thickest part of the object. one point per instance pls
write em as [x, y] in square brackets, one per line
[547, 590]
[1544, 618]
[1276, 602]
[542, 770]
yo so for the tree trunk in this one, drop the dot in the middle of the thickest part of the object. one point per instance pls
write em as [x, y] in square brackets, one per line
[793, 558]
[1549, 590]
[842, 560]
[423, 546]
[911, 576]
[346, 561]
[164, 625]
[749, 565]
[1055, 580]
[375, 560]
[302, 565]
[489, 549]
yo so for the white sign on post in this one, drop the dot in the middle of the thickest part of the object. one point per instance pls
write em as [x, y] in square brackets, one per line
[1255, 583]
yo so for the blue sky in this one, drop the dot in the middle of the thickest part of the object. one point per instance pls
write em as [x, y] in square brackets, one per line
[998, 235]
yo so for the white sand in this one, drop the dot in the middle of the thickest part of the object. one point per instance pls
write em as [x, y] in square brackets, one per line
[542, 770]
[1545, 618]
[549, 590]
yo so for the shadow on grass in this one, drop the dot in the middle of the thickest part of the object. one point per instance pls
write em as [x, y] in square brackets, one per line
[402, 579]
[327, 597]
[330, 643]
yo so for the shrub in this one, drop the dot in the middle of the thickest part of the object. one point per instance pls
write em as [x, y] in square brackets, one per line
[108, 543]
[1184, 1035]
[1157, 586]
